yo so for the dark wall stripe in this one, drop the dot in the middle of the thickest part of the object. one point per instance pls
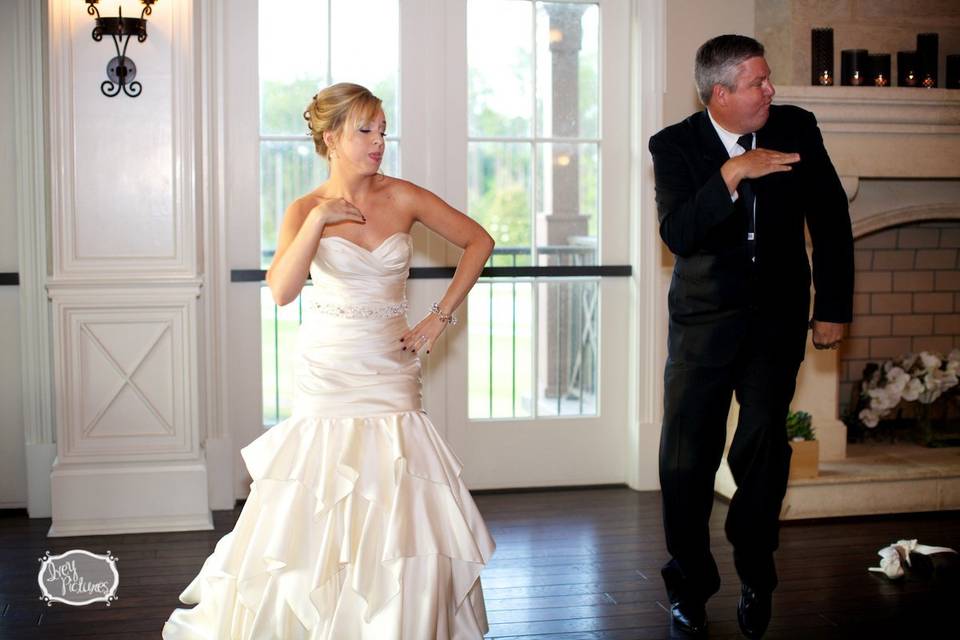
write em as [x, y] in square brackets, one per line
[426, 273]
[248, 275]
[9, 279]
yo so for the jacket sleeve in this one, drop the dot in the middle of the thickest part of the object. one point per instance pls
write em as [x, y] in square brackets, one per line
[687, 211]
[828, 220]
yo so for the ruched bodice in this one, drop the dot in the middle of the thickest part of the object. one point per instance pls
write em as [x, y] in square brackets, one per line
[358, 524]
[346, 273]
[350, 361]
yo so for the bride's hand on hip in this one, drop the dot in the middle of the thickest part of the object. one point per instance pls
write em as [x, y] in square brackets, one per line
[333, 210]
[421, 337]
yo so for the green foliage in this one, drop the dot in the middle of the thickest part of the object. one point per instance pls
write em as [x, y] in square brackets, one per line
[588, 99]
[288, 169]
[484, 121]
[503, 212]
[799, 426]
[500, 187]
[282, 105]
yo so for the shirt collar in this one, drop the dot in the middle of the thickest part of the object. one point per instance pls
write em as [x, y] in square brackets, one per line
[728, 139]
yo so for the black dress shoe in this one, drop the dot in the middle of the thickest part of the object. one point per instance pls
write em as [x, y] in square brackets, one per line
[689, 618]
[753, 612]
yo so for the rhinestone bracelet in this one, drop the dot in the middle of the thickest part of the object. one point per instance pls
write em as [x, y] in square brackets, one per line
[449, 318]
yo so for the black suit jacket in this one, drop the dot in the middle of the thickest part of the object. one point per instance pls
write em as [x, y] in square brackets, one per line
[717, 296]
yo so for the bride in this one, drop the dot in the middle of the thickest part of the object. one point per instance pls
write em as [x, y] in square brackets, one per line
[358, 525]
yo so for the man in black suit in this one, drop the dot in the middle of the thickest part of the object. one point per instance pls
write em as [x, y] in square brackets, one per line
[735, 184]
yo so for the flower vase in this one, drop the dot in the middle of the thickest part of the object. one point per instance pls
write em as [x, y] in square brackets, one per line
[935, 428]
[925, 430]
[805, 461]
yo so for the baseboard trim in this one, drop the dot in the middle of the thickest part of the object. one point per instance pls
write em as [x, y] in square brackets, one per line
[573, 487]
[158, 524]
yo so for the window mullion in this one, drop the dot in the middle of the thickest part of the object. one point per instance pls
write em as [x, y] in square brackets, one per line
[535, 350]
[534, 124]
[329, 42]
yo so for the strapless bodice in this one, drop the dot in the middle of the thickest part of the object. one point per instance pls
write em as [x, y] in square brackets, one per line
[345, 274]
[350, 361]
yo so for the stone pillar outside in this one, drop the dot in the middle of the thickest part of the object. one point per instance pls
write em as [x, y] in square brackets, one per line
[559, 220]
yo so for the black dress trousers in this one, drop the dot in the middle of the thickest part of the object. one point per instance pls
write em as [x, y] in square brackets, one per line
[696, 404]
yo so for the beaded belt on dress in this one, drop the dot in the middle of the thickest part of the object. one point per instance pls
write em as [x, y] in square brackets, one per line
[355, 311]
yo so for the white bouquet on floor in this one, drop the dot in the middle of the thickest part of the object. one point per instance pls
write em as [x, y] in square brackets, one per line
[893, 556]
[922, 377]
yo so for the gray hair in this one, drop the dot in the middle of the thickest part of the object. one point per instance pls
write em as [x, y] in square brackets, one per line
[717, 61]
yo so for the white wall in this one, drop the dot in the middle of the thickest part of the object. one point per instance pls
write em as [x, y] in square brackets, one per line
[125, 278]
[690, 23]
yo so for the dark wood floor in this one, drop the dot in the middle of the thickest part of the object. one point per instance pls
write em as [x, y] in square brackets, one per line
[570, 565]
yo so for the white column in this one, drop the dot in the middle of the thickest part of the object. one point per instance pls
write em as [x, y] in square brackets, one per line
[28, 127]
[125, 278]
[218, 441]
[647, 338]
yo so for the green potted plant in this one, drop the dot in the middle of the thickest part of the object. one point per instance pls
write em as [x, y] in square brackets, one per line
[806, 450]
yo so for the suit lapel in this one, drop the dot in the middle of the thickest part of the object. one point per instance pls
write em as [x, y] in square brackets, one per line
[714, 153]
[761, 186]
[767, 188]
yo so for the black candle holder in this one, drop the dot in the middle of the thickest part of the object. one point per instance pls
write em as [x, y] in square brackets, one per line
[880, 69]
[928, 53]
[821, 57]
[907, 73]
[854, 67]
[953, 71]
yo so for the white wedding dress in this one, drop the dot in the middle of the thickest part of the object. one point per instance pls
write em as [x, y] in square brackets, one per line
[358, 525]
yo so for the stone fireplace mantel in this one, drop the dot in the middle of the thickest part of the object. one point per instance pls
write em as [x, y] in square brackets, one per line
[891, 132]
[885, 133]
[897, 151]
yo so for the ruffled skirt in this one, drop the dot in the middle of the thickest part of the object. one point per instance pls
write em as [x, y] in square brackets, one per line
[355, 528]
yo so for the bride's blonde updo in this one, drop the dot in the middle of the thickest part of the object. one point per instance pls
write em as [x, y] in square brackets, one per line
[334, 106]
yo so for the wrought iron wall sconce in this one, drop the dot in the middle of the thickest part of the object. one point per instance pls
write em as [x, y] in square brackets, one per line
[121, 70]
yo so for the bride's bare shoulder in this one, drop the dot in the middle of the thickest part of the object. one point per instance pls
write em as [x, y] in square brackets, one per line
[301, 206]
[401, 192]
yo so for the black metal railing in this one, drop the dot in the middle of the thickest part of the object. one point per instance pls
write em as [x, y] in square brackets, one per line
[571, 328]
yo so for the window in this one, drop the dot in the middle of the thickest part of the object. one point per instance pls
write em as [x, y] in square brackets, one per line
[532, 155]
[520, 113]
[533, 175]
[329, 41]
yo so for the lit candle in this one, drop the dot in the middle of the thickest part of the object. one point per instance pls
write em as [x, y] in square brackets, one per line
[821, 56]
[880, 69]
[928, 53]
[953, 71]
[854, 66]
[906, 68]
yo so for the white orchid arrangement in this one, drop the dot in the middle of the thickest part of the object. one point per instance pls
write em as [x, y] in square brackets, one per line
[922, 377]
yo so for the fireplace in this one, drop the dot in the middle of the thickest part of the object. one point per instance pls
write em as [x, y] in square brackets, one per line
[897, 151]
[907, 297]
